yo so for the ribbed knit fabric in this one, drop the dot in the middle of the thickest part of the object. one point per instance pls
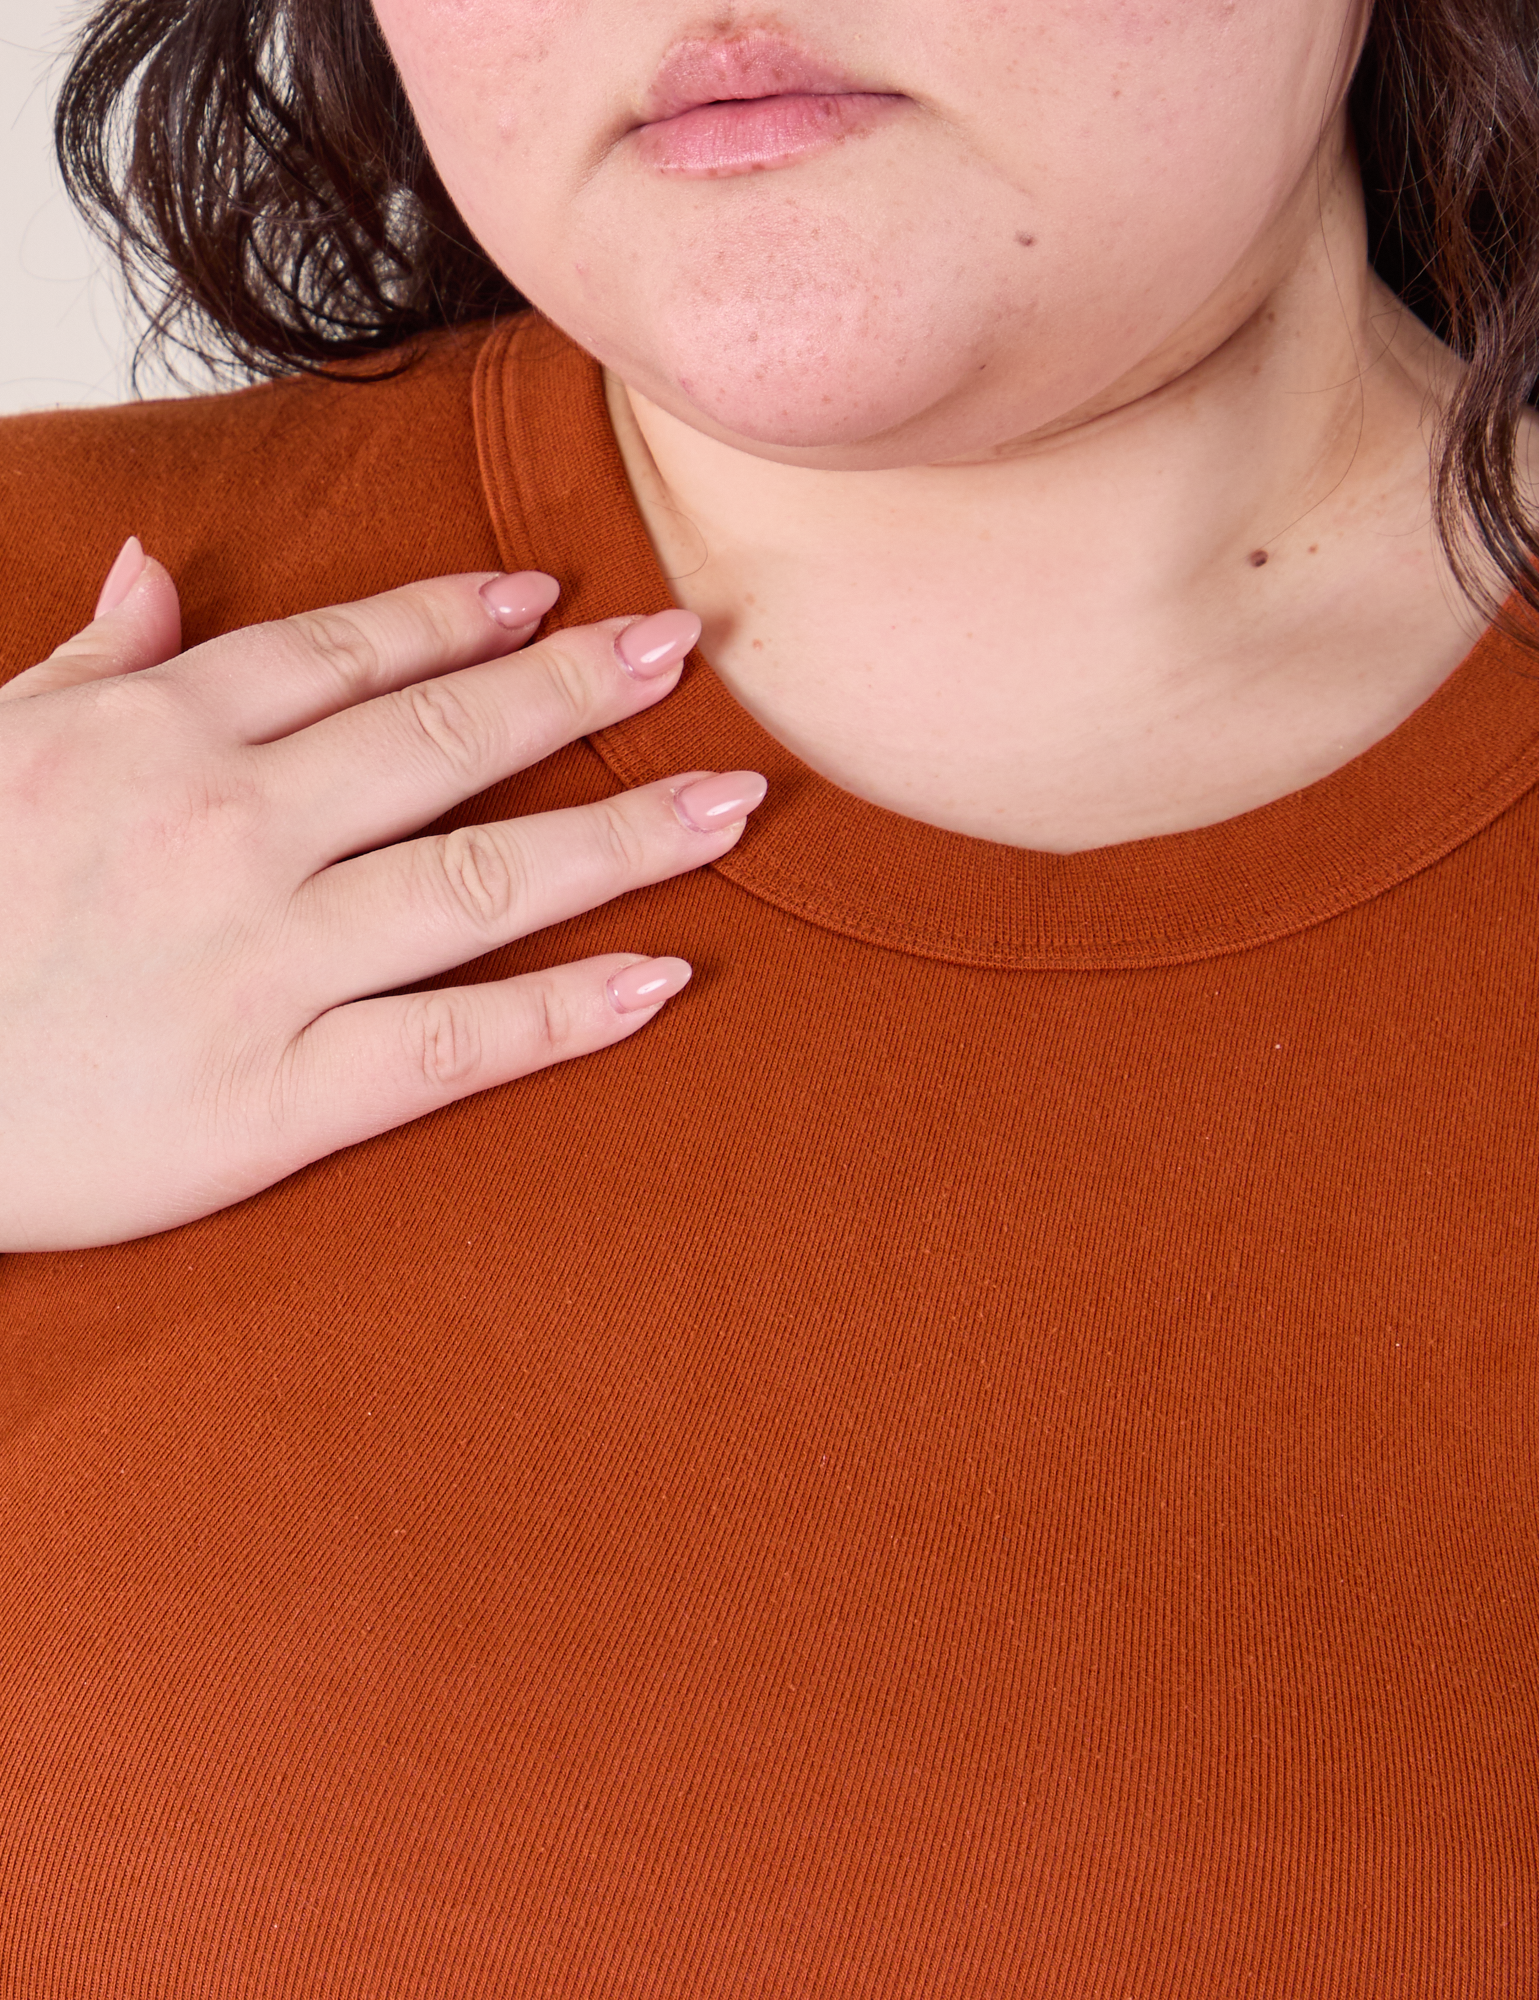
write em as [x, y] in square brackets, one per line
[990, 1453]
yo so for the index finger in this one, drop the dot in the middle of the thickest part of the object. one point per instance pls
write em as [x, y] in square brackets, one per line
[267, 681]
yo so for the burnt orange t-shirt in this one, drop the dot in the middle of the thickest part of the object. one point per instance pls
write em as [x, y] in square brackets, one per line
[990, 1453]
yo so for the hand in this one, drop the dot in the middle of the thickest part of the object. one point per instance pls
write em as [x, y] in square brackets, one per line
[203, 871]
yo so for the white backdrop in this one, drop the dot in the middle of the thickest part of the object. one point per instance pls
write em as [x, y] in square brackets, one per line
[62, 335]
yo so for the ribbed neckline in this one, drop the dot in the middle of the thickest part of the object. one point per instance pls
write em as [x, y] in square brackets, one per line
[560, 499]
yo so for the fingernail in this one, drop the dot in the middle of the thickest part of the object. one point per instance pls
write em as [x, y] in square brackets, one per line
[648, 984]
[709, 804]
[122, 576]
[652, 645]
[520, 599]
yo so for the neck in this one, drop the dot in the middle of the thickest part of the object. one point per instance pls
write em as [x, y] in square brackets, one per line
[1213, 586]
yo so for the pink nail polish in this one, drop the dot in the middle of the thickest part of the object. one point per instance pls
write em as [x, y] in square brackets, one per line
[648, 984]
[709, 804]
[122, 576]
[652, 645]
[520, 599]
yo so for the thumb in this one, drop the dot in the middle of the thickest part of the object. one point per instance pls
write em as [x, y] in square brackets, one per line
[138, 624]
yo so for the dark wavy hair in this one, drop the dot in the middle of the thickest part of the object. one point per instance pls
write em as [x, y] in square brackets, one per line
[256, 165]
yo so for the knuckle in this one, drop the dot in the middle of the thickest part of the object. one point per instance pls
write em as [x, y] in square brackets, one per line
[222, 806]
[553, 1027]
[482, 878]
[570, 680]
[432, 630]
[444, 1043]
[150, 706]
[341, 646]
[441, 718]
[622, 844]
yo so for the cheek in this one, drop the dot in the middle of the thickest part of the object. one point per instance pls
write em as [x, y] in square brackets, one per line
[464, 62]
[508, 106]
[414, 26]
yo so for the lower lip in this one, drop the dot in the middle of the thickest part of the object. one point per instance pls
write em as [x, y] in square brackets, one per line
[751, 134]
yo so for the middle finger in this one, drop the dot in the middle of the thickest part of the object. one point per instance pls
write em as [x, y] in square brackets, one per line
[373, 773]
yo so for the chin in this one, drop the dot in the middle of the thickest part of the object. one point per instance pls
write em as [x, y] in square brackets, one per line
[840, 392]
[787, 331]
[795, 409]
[842, 410]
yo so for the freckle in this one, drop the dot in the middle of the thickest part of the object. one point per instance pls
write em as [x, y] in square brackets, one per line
[1258, 558]
[1024, 240]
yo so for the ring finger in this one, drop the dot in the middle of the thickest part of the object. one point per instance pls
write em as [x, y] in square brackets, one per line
[406, 912]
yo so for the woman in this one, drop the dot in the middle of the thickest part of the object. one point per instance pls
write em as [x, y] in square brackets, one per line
[989, 1452]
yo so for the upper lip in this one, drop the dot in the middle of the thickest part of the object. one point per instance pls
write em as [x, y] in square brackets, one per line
[757, 64]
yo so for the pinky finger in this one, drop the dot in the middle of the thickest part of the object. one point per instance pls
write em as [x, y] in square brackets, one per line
[371, 1065]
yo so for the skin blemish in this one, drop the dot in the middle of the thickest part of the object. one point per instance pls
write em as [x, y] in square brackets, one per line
[1258, 558]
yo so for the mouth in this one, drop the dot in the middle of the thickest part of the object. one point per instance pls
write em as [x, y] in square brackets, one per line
[749, 104]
